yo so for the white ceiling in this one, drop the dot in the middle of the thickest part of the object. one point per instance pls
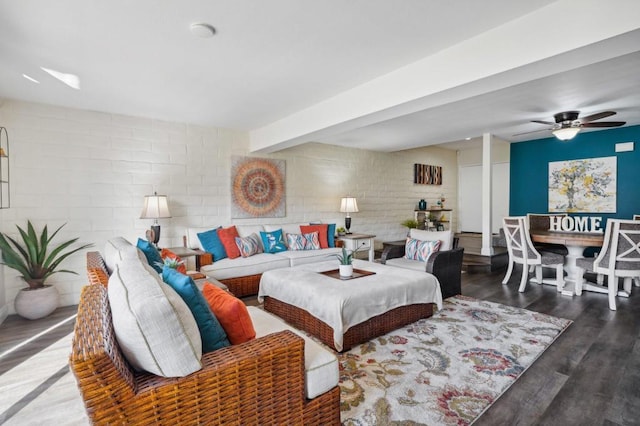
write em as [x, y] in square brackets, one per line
[333, 71]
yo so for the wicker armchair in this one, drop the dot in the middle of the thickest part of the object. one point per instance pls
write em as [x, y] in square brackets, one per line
[258, 382]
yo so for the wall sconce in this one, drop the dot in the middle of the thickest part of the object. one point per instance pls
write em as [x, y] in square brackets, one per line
[348, 205]
[155, 207]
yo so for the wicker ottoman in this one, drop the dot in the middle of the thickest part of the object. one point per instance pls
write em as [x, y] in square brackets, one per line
[306, 297]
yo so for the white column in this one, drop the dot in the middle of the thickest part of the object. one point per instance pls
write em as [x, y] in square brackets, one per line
[487, 248]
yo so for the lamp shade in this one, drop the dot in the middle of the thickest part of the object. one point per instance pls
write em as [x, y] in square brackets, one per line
[566, 133]
[155, 207]
[348, 205]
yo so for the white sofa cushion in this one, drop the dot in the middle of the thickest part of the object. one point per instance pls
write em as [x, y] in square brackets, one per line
[445, 236]
[112, 253]
[154, 327]
[403, 262]
[287, 228]
[320, 365]
[301, 257]
[246, 230]
[244, 266]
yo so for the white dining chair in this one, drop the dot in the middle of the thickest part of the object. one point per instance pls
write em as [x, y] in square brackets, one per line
[521, 250]
[619, 258]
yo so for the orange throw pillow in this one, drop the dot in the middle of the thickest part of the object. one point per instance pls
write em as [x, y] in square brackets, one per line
[231, 312]
[228, 239]
[322, 231]
[171, 255]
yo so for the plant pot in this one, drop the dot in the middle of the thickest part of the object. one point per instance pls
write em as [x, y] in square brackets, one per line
[36, 303]
[346, 270]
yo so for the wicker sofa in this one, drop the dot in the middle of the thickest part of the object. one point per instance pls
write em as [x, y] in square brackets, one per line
[445, 264]
[258, 382]
[280, 377]
[242, 275]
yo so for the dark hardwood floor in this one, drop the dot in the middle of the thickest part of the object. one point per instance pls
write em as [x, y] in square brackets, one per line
[591, 373]
[589, 376]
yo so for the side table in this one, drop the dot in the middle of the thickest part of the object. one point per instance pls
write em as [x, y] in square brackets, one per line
[354, 241]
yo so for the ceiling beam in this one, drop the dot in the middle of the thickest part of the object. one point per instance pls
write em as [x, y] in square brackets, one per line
[553, 39]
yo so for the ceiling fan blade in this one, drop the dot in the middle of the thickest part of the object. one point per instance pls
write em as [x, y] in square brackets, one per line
[534, 131]
[597, 116]
[605, 124]
[543, 122]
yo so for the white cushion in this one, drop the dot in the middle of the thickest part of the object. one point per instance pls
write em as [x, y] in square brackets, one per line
[320, 365]
[403, 262]
[111, 252]
[243, 266]
[287, 228]
[154, 327]
[445, 236]
[246, 230]
[301, 257]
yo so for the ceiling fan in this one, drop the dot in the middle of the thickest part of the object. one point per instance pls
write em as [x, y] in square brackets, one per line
[568, 124]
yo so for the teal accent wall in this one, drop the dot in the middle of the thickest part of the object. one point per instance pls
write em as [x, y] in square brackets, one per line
[529, 175]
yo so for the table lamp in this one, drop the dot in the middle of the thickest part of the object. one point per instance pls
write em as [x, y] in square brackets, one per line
[348, 205]
[155, 207]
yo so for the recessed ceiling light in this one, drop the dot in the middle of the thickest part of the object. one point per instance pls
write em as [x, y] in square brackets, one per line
[31, 79]
[467, 139]
[202, 30]
[70, 80]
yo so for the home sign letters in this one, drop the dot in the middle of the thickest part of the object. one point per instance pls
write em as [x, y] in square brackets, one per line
[575, 224]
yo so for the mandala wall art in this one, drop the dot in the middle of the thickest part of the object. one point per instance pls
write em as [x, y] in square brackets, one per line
[587, 185]
[257, 187]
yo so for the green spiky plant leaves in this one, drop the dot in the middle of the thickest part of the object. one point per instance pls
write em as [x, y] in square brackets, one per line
[35, 258]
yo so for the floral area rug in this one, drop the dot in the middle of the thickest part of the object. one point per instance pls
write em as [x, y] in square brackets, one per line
[443, 370]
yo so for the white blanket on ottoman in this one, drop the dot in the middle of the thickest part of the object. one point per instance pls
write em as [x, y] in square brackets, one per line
[342, 304]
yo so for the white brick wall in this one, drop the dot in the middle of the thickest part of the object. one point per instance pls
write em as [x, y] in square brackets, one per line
[91, 170]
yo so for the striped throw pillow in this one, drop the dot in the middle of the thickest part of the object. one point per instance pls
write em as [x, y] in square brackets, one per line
[420, 250]
[249, 246]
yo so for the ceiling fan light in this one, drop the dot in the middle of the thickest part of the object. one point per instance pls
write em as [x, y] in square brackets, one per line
[566, 133]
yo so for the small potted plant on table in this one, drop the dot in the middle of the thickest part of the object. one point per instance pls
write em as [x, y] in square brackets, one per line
[346, 262]
[36, 261]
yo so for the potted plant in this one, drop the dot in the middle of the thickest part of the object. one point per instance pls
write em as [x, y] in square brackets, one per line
[346, 261]
[341, 230]
[36, 259]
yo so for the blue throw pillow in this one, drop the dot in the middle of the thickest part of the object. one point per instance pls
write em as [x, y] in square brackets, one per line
[211, 243]
[331, 235]
[211, 332]
[273, 241]
[151, 253]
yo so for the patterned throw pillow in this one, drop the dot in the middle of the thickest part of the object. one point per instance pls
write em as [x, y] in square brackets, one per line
[312, 241]
[420, 250]
[249, 246]
[296, 241]
[272, 241]
[321, 229]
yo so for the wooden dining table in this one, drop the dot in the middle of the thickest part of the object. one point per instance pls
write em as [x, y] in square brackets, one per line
[575, 242]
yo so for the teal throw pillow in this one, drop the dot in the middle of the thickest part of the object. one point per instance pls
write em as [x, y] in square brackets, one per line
[331, 235]
[151, 253]
[211, 243]
[212, 334]
[273, 241]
